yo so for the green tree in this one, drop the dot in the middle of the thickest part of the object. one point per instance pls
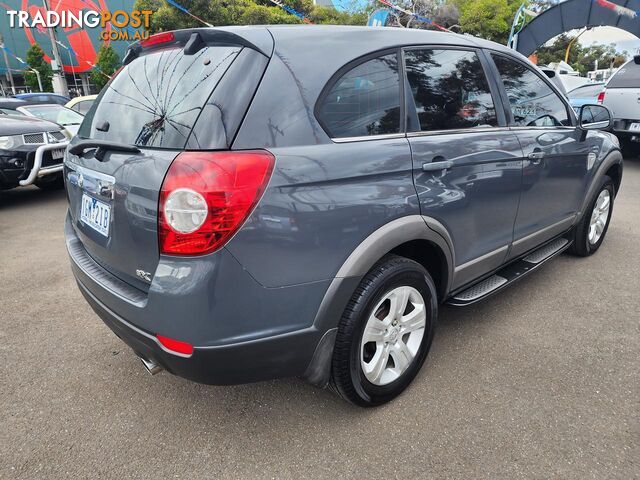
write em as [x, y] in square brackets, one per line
[106, 64]
[490, 19]
[242, 12]
[581, 58]
[35, 60]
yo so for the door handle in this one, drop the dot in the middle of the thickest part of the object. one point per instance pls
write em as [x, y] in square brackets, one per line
[437, 166]
[536, 156]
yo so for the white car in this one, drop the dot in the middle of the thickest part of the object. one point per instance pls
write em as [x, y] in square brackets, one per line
[81, 104]
[622, 96]
[69, 119]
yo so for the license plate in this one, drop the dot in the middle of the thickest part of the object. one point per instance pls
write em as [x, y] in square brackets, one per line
[95, 214]
[57, 154]
[635, 127]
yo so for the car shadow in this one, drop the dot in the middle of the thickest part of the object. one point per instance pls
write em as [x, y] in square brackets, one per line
[23, 196]
[269, 399]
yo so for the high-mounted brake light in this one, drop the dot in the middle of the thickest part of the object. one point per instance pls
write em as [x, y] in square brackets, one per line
[207, 196]
[157, 39]
[601, 97]
[175, 346]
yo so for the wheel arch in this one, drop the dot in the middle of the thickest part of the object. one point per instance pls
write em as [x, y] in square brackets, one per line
[615, 173]
[611, 164]
[419, 238]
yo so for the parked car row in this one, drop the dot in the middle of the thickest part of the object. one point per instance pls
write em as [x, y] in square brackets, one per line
[621, 95]
[34, 131]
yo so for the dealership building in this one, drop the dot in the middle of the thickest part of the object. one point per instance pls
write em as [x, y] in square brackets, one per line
[78, 47]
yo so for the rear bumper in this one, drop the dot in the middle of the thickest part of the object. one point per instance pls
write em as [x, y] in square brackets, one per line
[621, 128]
[284, 355]
[241, 331]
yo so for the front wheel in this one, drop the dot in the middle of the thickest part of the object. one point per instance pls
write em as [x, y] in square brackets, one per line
[385, 332]
[590, 232]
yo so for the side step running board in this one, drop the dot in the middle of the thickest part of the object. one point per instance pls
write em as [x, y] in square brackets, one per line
[509, 274]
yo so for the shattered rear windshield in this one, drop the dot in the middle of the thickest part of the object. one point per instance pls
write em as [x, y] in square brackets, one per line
[156, 99]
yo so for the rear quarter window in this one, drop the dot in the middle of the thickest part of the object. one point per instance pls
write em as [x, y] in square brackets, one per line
[627, 77]
[364, 101]
[156, 99]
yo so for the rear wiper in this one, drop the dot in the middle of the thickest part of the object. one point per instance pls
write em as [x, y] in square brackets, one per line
[101, 147]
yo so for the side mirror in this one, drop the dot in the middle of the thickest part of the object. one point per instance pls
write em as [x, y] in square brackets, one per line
[594, 117]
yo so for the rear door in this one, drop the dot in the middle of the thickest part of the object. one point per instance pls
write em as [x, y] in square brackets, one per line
[163, 102]
[467, 164]
[555, 155]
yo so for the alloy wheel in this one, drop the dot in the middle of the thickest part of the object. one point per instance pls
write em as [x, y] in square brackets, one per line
[392, 335]
[599, 216]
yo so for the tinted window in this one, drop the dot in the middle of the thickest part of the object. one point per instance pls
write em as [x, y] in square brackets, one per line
[532, 101]
[155, 100]
[586, 91]
[364, 101]
[627, 77]
[450, 89]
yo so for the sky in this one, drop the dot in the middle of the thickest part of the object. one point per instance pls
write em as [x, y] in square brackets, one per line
[606, 35]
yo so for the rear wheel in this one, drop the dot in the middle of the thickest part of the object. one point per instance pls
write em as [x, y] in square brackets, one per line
[590, 232]
[385, 332]
[50, 182]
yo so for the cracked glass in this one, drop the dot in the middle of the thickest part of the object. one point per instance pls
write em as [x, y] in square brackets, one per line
[156, 99]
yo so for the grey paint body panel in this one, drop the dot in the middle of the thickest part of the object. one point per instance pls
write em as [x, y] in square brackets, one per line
[331, 210]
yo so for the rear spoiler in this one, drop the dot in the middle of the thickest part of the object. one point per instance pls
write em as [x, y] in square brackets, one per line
[193, 40]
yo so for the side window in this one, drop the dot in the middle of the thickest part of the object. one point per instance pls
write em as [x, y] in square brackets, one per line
[364, 101]
[83, 107]
[450, 89]
[533, 103]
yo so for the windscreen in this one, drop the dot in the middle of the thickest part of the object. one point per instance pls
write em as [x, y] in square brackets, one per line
[156, 99]
[627, 77]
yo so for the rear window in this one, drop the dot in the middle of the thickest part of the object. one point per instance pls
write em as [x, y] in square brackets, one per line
[156, 99]
[83, 106]
[627, 77]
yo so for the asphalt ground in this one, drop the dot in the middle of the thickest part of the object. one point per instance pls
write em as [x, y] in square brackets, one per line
[541, 381]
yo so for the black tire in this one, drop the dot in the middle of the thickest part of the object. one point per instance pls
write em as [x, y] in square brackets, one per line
[581, 246]
[50, 182]
[347, 376]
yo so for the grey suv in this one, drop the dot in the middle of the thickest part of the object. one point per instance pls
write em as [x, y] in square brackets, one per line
[261, 202]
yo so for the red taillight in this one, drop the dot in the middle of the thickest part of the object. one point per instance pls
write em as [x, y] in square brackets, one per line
[175, 346]
[601, 97]
[206, 196]
[157, 39]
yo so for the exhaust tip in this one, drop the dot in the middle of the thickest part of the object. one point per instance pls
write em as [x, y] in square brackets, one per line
[152, 367]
